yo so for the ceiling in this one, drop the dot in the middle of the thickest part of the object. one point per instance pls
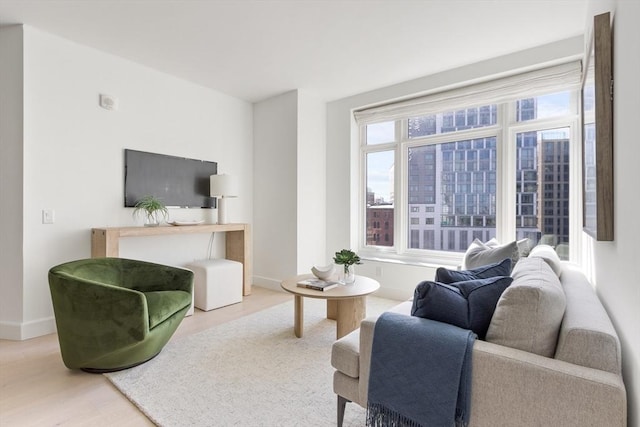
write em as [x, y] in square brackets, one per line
[255, 49]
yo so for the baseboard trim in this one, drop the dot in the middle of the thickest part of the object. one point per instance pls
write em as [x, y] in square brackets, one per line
[20, 331]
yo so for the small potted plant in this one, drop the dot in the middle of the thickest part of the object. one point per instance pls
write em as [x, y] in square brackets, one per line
[153, 209]
[347, 259]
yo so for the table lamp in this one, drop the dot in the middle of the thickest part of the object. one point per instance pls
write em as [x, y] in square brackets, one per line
[222, 186]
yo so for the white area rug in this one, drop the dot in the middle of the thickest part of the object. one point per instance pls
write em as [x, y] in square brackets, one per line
[248, 372]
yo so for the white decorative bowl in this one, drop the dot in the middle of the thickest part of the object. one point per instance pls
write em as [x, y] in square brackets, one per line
[325, 272]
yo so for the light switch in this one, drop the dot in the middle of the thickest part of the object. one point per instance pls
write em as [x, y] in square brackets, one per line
[48, 216]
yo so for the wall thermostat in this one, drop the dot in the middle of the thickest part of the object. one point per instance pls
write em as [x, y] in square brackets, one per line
[108, 102]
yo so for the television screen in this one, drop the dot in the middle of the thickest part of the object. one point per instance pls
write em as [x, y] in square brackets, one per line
[176, 181]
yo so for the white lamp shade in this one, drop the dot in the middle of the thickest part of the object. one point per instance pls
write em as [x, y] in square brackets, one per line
[223, 185]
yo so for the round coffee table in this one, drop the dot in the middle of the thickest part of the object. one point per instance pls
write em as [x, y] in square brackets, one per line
[346, 304]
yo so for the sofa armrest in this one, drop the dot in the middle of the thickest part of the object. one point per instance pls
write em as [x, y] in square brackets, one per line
[366, 344]
[513, 387]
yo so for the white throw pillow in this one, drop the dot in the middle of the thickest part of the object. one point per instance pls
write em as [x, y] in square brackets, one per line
[529, 312]
[524, 245]
[479, 254]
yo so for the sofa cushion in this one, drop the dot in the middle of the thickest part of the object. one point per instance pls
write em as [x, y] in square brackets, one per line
[479, 254]
[529, 313]
[549, 255]
[467, 304]
[502, 268]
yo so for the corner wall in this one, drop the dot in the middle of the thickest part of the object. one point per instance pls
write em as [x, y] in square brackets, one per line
[275, 127]
[290, 191]
[311, 181]
[73, 161]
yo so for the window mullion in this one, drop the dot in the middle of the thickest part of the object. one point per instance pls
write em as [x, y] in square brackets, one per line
[575, 192]
[400, 202]
[506, 172]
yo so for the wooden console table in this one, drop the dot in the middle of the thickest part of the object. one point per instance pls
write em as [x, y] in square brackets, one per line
[105, 242]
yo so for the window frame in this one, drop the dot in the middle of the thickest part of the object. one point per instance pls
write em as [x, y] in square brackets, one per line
[504, 131]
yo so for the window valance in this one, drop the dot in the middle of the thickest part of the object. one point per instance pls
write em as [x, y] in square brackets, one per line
[546, 80]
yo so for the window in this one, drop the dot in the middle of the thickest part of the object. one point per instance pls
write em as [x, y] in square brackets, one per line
[552, 205]
[454, 161]
[540, 107]
[380, 196]
[379, 133]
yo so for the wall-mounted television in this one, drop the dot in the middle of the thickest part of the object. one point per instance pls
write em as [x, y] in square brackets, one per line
[177, 181]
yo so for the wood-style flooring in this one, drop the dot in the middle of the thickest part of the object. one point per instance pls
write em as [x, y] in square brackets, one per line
[36, 389]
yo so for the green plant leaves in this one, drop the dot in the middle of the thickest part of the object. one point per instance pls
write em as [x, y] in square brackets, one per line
[346, 257]
[151, 206]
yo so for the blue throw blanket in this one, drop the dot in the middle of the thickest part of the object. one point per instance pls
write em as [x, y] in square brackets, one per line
[420, 373]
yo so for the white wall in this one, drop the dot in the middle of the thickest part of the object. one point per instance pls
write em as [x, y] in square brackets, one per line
[11, 124]
[73, 159]
[275, 196]
[399, 280]
[616, 277]
[289, 217]
[311, 182]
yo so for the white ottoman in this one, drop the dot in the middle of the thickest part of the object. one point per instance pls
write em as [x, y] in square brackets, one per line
[217, 282]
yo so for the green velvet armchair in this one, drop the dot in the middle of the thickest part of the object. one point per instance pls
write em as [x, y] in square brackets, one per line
[115, 313]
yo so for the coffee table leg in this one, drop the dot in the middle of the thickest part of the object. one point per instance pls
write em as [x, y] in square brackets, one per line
[298, 316]
[332, 309]
[351, 311]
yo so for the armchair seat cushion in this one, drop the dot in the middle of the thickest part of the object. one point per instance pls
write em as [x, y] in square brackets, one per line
[164, 304]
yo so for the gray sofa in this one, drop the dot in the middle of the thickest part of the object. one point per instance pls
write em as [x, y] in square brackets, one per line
[577, 382]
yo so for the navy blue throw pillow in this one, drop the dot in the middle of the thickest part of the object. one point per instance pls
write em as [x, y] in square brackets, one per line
[469, 304]
[502, 268]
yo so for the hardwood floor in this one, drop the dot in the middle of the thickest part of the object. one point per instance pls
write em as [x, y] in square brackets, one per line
[36, 389]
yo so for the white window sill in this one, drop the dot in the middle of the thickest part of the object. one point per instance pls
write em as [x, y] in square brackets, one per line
[451, 261]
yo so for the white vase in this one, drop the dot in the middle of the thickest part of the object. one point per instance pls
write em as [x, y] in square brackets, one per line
[152, 219]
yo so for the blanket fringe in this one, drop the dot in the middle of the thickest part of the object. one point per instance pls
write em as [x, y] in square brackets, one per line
[460, 422]
[379, 415]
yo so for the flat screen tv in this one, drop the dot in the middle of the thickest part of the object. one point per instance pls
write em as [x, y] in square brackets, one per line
[177, 181]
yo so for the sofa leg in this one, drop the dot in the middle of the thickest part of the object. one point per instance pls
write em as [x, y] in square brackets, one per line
[342, 404]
